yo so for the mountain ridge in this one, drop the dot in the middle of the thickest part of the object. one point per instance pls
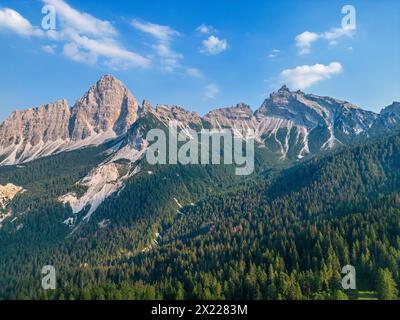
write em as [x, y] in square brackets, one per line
[291, 124]
[104, 112]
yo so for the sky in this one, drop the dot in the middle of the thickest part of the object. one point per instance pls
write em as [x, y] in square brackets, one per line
[200, 54]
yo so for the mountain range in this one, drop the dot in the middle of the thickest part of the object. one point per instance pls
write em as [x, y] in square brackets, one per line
[77, 193]
[291, 125]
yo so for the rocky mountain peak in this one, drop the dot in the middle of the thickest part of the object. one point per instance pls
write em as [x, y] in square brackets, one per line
[231, 117]
[239, 111]
[146, 105]
[145, 108]
[282, 97]
[162, 109]
[105, 111]
[284, 89]
[108, 107]
[394, 109]
[290, 123]
[31, 127]
[243, 107]
[179, 114]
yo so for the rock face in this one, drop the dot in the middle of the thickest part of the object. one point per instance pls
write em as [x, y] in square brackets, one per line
[178, 114]
[389, 118]
[294, 124]
[106, 111]
[392, 110]
[7, 193]
[228, 117]
[290, 124]
[29, 134]
[311, 123]
[108, 106]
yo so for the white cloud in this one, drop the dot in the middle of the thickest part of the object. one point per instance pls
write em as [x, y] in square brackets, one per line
[90, 40]
[49, 49]
[74, 52]
[82, 22]
[12, 21]
[306, 39]
[336, 33]
[170, 59]
[85, 38]
[305, 76]
[213, 45]
[92, 49]
[84, 49]
[274, 53]
[205, 29]
[162, 33]
[164, 36]
[163, 50]
[194, 72]
[211, 91]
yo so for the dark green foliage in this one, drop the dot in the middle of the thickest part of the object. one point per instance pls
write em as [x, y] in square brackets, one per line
[274, 236]
[386, 286]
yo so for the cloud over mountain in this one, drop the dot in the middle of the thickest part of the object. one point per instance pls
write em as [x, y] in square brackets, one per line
[305, 76]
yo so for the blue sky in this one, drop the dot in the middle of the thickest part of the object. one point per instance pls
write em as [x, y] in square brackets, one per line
[200, 54]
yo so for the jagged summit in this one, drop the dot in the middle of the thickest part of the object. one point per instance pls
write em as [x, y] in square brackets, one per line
[240, 106]
[29, 133]
[291, 124]
[105, 111]
[389, 118]
[146, 107]
[108, 106]
[177, 113]
[284, 88]
[239, 111]
[107, 77]
[393, 108]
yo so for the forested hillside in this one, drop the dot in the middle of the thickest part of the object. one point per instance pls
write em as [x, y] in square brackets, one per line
[186, 232]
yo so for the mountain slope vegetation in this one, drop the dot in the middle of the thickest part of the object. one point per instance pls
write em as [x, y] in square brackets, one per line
[181, 232]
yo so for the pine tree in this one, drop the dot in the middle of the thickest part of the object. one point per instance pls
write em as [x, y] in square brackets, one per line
[386, 286]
